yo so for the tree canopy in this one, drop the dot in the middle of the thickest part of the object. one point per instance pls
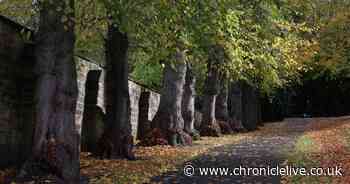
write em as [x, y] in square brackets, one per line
[267, 43]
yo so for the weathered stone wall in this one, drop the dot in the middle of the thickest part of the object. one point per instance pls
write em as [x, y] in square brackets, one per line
[148, 107]
[16, 94]
[134, 93]
[83, 68]
[17, 90]
[154, 100]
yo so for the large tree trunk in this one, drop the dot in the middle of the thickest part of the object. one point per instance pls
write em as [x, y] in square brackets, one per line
[118, 129]
[188, 101]
[169, 115]
[260, 122]
[93, 115]
[56, 139]
[221, 110]
[235, 106]
[144, 124]
[250, 110]
[209, 126]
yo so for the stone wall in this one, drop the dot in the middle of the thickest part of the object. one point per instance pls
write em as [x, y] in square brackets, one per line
[134, 93]
[17, 90]
[148, 107]
[85, 66]
[16, 94]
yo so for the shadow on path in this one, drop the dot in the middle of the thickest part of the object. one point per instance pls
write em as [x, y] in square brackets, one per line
[264, 150]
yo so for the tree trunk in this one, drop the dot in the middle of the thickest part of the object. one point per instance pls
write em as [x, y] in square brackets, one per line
[188, 101]
[56, 139]
[144, 124]
[118, 129]
[93, 114]
[209, 126]
[235, 106]
[250, 112]
[221, 110]
[168, 117]
[260, 122]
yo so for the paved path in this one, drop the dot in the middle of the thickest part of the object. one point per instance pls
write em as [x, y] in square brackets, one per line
[264, 150]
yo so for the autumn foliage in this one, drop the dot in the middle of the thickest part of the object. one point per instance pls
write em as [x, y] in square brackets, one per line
[330, 140]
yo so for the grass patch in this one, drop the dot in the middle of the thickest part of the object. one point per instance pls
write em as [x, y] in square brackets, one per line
[325, 145]
[304, 147]
[301, 157]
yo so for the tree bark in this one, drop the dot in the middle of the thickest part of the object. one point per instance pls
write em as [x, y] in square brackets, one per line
[144, 124]
[250, 112]
[169, 115]
[209, 126]
[188, 101]
[92, 116]
[260, 122]
[118, 128]
[221, 110]
[56, 93]
[235, 106]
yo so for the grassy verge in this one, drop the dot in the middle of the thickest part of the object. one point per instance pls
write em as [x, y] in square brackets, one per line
[325, 145]
[302, 157]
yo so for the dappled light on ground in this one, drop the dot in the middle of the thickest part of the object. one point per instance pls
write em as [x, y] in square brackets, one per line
[318, 142]
[151, 161]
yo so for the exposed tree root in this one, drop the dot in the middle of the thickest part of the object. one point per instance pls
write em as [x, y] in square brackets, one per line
[237, 126]
[211, 130]
[225, 127]
[160, 137]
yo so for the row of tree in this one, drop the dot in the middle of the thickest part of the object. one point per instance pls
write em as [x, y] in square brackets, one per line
[263, 43]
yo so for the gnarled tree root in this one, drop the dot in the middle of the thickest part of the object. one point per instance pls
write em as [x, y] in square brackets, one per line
[237, 126]
[161, 137]
[194, 134]
[225, 127]
[211, 130]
